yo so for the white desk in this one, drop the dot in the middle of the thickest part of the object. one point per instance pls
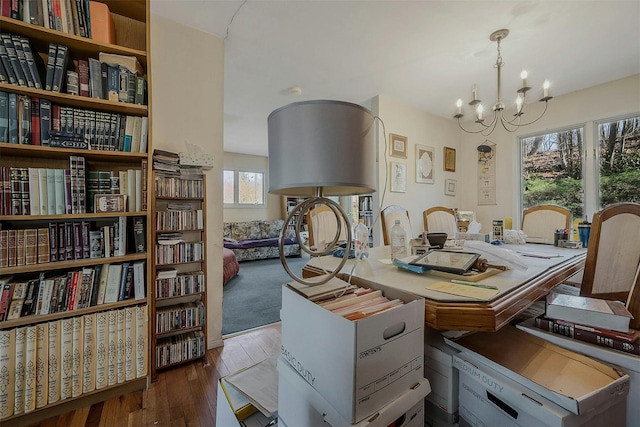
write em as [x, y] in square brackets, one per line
[518, 289]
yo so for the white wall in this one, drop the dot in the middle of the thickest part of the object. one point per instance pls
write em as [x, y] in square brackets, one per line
[273, 209]
[187, 106]
[605, 101]
[423, 129]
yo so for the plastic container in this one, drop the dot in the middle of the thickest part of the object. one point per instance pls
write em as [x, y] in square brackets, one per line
[398, 241]
[584, 231]
[361, 233]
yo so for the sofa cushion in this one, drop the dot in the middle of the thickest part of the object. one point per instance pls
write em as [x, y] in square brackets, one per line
[272, 228]
[246, 230]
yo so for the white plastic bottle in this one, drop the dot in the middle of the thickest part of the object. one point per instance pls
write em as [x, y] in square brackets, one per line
[361, 234]
[398, 241]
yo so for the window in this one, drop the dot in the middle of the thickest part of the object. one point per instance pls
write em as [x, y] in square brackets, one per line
[618, 161]
[552, 170]
[242, 188]
[558, 168]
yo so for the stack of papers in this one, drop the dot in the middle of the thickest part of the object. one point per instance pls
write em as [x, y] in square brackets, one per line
[258, 384]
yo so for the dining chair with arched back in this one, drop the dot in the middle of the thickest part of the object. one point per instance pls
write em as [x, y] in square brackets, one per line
[440, 219]
[540, 222]
[388, 218]
[613, 254]
[323, 225]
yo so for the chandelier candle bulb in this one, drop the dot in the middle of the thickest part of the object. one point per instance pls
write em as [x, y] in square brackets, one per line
[523, 76]
[474, 93]
[518, 105]
[545, 88]
[459, 105]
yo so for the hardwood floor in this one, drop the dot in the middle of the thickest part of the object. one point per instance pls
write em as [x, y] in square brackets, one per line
[183, 396]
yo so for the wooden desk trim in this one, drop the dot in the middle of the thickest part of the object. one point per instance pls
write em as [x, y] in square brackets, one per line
[492, 315]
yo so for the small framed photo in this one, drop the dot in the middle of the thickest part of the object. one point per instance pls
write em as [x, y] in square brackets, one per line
[398, 177]
[398, 146]
[449, 159]
[424, 164]
[450, 187]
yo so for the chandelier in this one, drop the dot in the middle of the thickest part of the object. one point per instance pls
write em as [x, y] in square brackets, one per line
[510, 124]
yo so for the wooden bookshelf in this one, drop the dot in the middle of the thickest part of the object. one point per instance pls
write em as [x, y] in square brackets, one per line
[183, 213]
[132, 39]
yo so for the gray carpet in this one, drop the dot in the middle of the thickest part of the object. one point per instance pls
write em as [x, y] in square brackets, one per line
[254, 297]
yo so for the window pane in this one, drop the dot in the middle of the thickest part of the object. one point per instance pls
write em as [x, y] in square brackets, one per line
[228, 187]
[552, 170]
[250, 188]
[619, 155]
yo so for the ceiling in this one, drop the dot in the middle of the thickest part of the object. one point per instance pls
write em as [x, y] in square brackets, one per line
[424, 53]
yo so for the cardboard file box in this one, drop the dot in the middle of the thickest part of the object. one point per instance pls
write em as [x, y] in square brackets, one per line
[301, 405]
[357, 366]
[436, 417]
[488, 398]
[443, 378]
[575, 382]
[627, 363]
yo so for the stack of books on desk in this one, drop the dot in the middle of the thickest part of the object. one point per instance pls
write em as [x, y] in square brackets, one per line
[592, 320]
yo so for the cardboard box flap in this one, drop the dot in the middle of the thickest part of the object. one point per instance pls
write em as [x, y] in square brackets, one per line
[573, 377]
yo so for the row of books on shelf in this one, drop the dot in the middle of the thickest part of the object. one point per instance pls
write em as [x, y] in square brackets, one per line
[169, 283]
[31, 120]
[19, 63]
[46, 191]
[168, 186]
[175, 251]
[131, 183]
[596, 321]
[181, 316]
[344, 299]
[118, 78]
[180, 217]
[68, 16]
[180, 348]
[42, 191]
[48, 362]
[71, 240]
[73, 290]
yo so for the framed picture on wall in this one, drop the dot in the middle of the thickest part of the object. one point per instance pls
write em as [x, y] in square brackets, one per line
[398, 177]
[449, 159]
[398, 146]
[424, 164]
[450, 187]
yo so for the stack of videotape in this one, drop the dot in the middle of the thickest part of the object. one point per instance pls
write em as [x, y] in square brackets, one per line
[371, 338]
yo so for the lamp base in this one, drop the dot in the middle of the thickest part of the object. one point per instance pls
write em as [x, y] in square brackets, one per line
[299, 211]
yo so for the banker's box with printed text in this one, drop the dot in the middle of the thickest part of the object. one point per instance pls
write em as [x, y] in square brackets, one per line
[299, 404]
[627, 363]
[357, 366]
[488, 398]
[442, 402]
